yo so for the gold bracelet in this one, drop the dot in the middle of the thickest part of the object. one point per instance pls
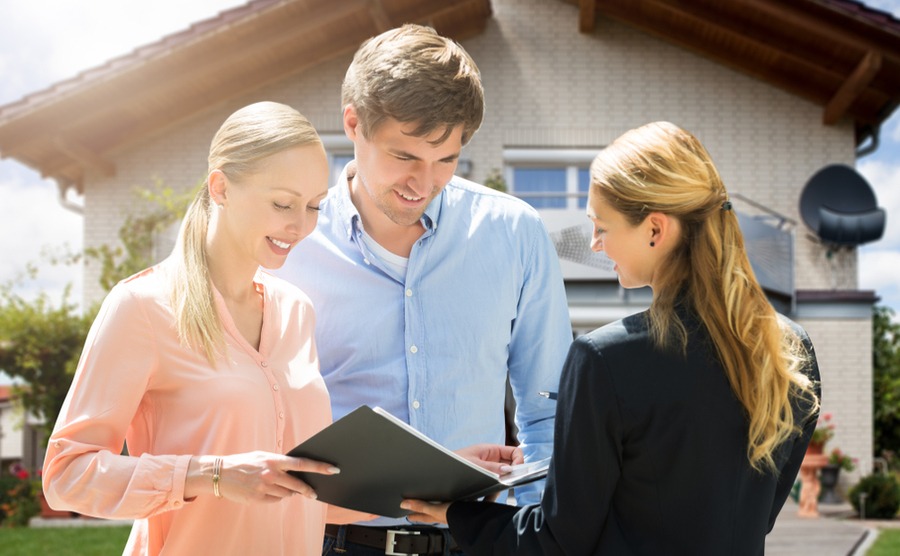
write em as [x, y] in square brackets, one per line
[217, 471]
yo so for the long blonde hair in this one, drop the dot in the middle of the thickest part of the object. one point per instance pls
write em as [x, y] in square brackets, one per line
[245, 139]
[660, 167]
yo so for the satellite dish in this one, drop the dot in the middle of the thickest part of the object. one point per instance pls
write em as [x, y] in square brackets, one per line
[839, 206]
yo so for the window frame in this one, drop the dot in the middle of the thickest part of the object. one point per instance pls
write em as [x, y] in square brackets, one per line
[336, 145]
[571, 159]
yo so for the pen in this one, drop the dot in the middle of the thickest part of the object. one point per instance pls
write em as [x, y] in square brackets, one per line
[548, 395]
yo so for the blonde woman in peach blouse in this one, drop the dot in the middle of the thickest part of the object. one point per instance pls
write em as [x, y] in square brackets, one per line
[206, 366]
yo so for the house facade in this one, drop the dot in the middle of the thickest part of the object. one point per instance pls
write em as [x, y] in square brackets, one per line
[20, 435]
[562, 80]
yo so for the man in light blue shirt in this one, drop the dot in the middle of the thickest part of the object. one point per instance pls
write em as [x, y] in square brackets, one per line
[429, 289]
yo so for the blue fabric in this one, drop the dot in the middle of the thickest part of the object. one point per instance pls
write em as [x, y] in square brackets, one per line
[483, 294]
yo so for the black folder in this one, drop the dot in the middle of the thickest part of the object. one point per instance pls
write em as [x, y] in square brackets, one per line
[384, 460]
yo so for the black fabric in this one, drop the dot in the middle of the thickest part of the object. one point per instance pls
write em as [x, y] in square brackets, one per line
[649, 459]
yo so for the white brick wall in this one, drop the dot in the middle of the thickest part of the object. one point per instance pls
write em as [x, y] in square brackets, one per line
[844, 352]
[548, 85]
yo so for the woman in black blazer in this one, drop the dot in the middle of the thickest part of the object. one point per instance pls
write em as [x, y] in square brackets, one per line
[679, 430]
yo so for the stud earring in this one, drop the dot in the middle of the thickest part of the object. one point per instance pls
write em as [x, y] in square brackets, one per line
[221, 206]
[652, 244]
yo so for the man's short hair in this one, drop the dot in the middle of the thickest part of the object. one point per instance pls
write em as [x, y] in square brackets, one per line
[412, 74]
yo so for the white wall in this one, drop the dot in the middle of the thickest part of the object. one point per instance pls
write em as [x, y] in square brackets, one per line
[11, 429]
[844, 351]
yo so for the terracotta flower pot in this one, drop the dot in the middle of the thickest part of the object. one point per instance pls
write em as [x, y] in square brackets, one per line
[815, 448]
[47, 511]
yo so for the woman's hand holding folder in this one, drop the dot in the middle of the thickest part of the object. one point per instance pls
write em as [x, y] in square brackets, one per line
[493, 457]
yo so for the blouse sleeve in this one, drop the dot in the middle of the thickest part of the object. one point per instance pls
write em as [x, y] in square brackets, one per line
[585, 468]
[83, 469]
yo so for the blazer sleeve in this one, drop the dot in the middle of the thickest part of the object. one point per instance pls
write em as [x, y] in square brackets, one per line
[807, 419]
[84, 470]
[585, 468]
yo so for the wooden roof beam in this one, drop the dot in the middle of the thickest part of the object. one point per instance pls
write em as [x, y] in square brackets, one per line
[587, 16]
[678, 34]
[84, 156]
[793, 14]
[69, 173]
[852, 88]
[380, 16]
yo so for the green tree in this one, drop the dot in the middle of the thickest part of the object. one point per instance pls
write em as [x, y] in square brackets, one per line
[886, 382]
[41, 342]
[138, 233]
[495, 180]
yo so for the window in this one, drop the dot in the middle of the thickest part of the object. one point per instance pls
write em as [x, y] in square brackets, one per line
[550, 178]
[340, 151]
[529, 183]
[336, 163]
[584, 184]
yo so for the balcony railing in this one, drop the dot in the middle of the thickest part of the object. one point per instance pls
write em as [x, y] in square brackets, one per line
[768, 237]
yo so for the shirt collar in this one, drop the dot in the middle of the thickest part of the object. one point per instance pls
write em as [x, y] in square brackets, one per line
[349, 214]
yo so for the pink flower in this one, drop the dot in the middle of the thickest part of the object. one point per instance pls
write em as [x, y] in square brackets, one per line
[842, 460]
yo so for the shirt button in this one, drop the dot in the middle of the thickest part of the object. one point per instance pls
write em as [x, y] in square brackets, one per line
[366, 261]
[279, 444]
[57, 444]
[408, 293]
[281, 414]
[413, 349]
[274, 387]
[416, 404]
[264, 363]
[177, 503]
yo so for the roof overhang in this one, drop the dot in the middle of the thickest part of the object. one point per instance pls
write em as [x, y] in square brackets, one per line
[74, 127]
[836, 53]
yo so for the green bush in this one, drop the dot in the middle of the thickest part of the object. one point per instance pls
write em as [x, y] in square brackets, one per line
[17, 501]
[886, 384]
[882, 496]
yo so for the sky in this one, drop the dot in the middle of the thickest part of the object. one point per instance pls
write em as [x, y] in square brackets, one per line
[46, 41]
